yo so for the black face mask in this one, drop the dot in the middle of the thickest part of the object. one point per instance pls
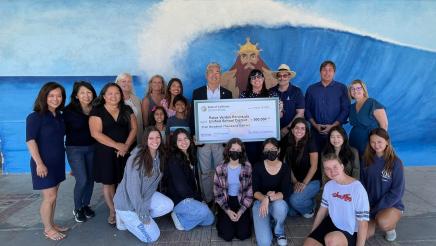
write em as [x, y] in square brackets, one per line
[270, 155]
[235, 155]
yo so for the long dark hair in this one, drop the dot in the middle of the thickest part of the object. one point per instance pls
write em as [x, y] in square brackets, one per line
[389, 154]
[168, 93]
[40, 104]
[153, 111]
[74, 101]
[345, 154]
[229, 144]
[295, 151]
[144, 160]
[99, 101]
[255, 72]
[191, 158]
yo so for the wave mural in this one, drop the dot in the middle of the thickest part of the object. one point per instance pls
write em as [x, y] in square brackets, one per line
[400, 77]
[175, 42]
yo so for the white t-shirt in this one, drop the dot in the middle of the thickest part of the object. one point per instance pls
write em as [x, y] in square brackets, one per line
[346, 204]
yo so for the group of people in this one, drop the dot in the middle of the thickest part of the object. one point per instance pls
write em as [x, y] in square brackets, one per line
[145, 154]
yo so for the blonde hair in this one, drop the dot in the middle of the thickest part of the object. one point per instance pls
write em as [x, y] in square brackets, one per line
[162, 91]
[361, 83]
[125, 75]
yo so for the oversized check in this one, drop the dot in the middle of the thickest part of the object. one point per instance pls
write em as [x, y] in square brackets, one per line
[250, 119]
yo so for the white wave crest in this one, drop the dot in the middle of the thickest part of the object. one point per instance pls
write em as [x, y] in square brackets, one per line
[174, 24]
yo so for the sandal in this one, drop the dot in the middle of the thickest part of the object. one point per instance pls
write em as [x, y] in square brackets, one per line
[54, 235]
[111, 220]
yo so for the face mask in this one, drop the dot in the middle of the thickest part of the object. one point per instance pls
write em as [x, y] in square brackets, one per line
[234, 155]
[270, 155]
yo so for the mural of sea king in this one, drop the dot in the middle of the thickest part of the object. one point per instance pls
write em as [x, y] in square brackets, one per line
[248, 59]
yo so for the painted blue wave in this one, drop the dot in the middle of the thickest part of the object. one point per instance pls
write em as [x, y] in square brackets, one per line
[401, 78]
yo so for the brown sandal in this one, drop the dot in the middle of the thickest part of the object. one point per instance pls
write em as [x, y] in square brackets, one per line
[54, 235]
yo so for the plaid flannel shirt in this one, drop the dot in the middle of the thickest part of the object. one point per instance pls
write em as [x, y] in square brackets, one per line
[221, 187]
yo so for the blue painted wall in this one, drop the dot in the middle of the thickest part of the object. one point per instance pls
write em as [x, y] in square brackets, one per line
[65, 41]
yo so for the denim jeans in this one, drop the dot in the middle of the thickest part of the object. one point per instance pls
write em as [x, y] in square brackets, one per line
[276, 217]
[191, 213]
[81, 160]
[147, 233]
[304, 202]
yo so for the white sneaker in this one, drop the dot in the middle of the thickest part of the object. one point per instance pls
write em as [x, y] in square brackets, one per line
[391, 235]
[282, 241]
[309, 215]
[176, 221]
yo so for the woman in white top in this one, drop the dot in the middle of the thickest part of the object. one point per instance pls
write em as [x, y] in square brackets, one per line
[125, 81]
[343, 216]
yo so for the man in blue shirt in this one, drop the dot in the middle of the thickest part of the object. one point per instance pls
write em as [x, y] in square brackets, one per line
[291, 98]
[327, 104]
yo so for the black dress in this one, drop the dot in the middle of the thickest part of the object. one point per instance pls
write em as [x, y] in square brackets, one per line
[108, 168]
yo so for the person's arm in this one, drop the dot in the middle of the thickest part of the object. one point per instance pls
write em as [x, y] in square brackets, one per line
[356, 164]
[300, 105]
[33, 126]
[96, 129]
[313, 157]
[133, 130]
[248, 196]
[382, 118]
[285, 183]
[361, 233]
[362, 215]
[134, 179]
[218, 189]
[322, 213]
[345, 106]
[41, 168]
[396, 191]
[308, 106]
[145, 105]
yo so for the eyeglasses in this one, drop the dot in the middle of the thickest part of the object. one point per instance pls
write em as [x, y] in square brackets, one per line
[285, 76]
[257, 76]
[356, 88]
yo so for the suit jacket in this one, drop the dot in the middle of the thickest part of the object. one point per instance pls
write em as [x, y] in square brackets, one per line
[201, 94]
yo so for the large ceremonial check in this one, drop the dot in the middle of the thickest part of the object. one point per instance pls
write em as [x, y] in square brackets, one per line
[254, 119]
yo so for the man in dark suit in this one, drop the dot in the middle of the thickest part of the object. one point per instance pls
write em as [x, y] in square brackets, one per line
[209, 155]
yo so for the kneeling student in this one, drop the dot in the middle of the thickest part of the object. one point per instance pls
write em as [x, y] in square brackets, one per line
[136, 200]
[233, 192]
[343, 216]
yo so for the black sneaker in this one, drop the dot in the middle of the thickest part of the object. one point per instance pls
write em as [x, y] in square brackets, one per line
[79, 215]
[89, 213]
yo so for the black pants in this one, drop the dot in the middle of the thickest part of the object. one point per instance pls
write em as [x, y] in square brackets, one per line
[228, 229]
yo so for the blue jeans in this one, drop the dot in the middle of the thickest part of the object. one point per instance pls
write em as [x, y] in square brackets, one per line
[304, 202]
[81, 160]
[191, 213]
[277, 212]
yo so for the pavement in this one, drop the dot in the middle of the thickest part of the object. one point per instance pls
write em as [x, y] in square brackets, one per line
[20, 222]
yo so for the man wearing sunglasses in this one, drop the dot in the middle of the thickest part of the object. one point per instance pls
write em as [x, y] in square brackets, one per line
[291, 98]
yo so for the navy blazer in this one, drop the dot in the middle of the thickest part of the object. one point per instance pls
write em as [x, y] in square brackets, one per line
[201, 94]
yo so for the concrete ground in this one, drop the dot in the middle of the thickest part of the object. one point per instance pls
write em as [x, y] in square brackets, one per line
[20, 221]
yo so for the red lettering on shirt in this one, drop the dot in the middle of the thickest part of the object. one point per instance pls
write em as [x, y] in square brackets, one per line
[345, 197]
